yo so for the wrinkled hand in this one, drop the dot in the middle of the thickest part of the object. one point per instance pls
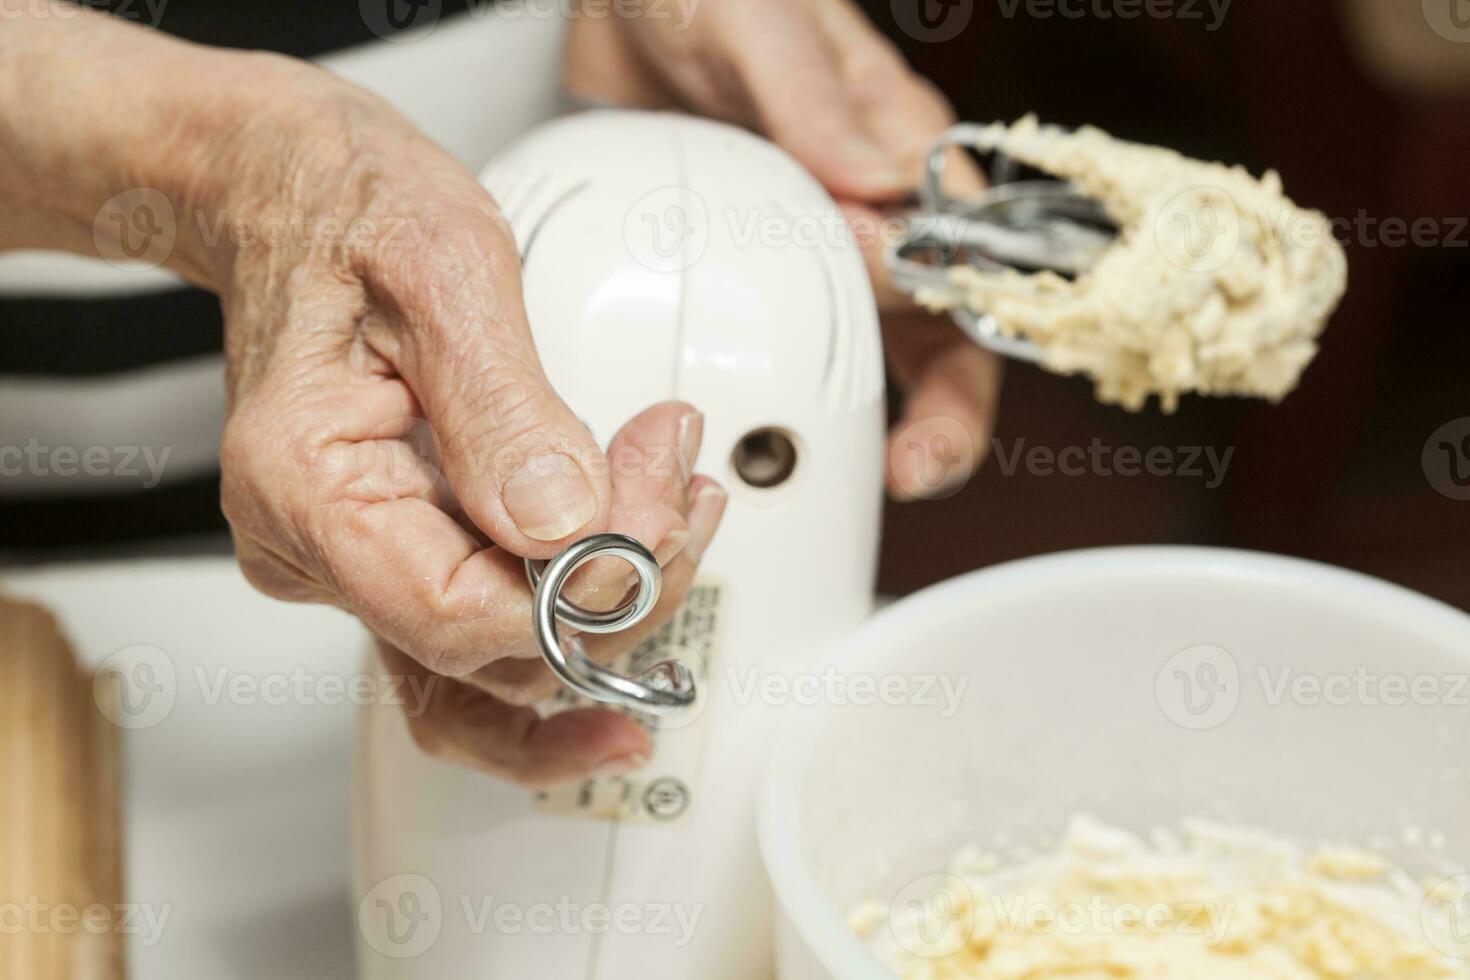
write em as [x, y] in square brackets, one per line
[816, 78]
[392, 445]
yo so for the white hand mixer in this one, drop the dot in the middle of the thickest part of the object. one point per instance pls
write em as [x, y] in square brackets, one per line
[1028, 225]
[654, 269]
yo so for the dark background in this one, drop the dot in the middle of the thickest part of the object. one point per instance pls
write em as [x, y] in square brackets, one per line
[1335, 472]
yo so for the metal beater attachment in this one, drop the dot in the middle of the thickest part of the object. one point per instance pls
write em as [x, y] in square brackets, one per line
[1025, 225]
[663, 689]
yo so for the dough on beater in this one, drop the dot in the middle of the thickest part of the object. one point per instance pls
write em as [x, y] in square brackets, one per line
[1212, 903]
[1217, 284]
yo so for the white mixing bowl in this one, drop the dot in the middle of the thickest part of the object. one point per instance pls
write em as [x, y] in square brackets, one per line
[1142, 686]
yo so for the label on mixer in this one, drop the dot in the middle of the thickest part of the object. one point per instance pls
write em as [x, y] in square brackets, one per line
[664, 790]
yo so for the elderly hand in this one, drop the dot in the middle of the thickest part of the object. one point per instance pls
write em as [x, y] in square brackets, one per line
[816, 78]
[392, 446]
[340, 356]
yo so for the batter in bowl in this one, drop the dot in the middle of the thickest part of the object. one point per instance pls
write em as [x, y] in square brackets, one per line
[1217, 283]
[1210, 903]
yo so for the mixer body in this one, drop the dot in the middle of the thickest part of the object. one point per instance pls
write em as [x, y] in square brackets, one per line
[665, 257]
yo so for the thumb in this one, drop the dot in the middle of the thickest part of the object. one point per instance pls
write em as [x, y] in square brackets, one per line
[524, 468]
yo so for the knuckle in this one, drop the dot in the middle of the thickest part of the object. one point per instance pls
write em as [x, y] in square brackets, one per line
[880, 63]
[310, 439]
[241, 446]
[429, 737]
[234, 504]
[460, 242]
[267, 578]
[363, 523]
[258, 485]
[448, 661]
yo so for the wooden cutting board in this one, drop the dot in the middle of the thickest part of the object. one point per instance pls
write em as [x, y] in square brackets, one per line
[61, 916]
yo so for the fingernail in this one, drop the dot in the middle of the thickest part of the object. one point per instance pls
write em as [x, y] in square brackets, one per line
[620, 766]
[549, 497]
[952, 482]
[691, 433]
[671, 545]
[711, 494]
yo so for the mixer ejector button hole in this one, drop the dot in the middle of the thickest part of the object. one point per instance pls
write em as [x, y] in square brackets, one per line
[765, 458]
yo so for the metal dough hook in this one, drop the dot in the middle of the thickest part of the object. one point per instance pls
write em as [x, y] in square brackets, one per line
[1026, 225]
[664, 688]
